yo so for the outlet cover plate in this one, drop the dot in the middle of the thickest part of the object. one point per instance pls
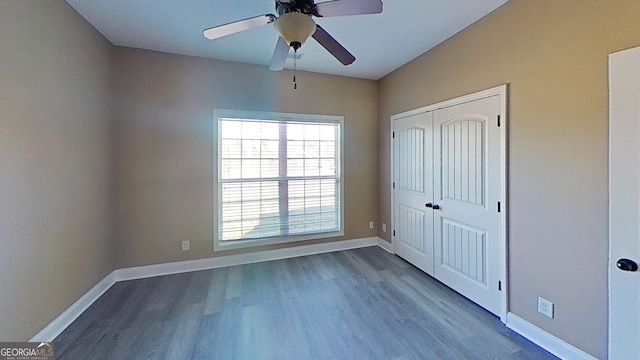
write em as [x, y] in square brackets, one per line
[545, 307]
[186, 245]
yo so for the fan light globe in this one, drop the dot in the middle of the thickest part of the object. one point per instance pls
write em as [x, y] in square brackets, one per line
[295, 28]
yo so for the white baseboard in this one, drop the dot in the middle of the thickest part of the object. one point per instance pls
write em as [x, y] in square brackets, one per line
[65, 319]
[543, 339]
[552, 344]
[140, 272]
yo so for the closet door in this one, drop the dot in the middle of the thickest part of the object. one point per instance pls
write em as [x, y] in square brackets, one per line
[468, 183]
[413, 189]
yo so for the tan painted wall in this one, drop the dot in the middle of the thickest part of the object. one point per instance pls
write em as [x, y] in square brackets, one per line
[54, 163]
[553, 54]
[163, 144]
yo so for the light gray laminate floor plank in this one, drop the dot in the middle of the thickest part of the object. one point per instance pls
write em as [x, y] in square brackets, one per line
[354, 304]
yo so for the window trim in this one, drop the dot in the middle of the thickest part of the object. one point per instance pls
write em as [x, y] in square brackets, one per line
[219, 245]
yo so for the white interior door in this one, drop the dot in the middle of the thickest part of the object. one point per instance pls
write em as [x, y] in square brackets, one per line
[413, 188]
[468, 194]
[624, 204]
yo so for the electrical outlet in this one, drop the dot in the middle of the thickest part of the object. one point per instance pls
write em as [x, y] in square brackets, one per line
[186, 245]
[545, 307]
[370, 224]
[384, 227]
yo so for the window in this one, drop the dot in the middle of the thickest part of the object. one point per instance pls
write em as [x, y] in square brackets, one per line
[279, 178]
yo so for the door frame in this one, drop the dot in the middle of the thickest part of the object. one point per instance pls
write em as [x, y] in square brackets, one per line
[500, 90]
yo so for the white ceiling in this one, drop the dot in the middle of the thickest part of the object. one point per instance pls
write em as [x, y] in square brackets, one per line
[381, 43]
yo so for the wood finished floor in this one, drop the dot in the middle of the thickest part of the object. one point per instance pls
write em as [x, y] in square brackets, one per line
[356, 304]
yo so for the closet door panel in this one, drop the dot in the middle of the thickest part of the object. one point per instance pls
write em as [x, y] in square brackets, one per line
[467, 188]
[413, 179]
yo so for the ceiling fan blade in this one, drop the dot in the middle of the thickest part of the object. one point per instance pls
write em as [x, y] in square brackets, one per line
[349, 7]
[279, 55]
[238, 26]
[333, 46]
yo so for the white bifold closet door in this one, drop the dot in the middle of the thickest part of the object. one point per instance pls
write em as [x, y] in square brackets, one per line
[448, 183]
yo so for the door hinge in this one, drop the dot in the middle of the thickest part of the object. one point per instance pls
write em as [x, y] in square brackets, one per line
[498, 120]
[394, 233]
[393, 135]
[394, 185]
[500, 285]
[499, 207]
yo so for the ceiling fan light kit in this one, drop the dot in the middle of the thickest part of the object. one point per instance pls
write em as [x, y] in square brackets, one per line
[295, 24]
[295, 28]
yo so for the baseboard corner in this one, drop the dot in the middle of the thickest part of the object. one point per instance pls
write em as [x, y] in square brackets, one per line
[51, 331]
[387, 246]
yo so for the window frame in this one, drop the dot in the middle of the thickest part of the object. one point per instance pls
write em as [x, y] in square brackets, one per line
[218, 244]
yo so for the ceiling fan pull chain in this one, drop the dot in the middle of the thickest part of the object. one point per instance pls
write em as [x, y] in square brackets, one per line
[295, 68]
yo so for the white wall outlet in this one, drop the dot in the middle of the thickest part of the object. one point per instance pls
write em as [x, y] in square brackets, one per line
[384, 227]
[186, 245]
[370, 224]
[545, 307]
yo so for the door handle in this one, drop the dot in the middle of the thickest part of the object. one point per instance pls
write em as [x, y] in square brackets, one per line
[627, 265]
[429, 205]
[436, 207]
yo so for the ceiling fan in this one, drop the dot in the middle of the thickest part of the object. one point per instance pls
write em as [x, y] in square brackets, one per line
[294, 24]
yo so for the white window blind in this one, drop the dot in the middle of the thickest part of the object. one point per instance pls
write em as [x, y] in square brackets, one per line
[278, 178]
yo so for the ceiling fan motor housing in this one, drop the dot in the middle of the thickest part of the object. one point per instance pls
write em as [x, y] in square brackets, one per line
[307, 7]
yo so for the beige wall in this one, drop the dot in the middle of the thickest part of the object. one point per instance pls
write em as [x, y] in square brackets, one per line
[163, 145]
[54, 163]
[553, 55]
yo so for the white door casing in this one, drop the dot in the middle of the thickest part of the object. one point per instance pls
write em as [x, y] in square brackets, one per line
[413, 162]
[462, 230]
[624, 203]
